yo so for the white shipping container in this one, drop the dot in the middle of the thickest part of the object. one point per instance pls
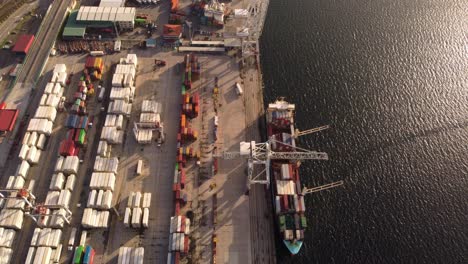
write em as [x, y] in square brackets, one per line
[43, 126]
[11, 181]
[149, 106]
[70, 184]
[136, 217]
[30, 256]
[43, 221]
[41, 142]
[52, 198]
[107, 200]
[5, 255]
[23, 152]
[46, 112]
[145, 217]
[187, 226]
[43, 99]
[6, 237]
[31, 157]
[35, 236]
[132, 59]
[23, 169]
[62, 79]
[70, 165]
[130, 199]
[102, 148]
[106, 165]
[137, 199]
[56, 254]
[144, 136]
[26, 138]
[49, 88]
[139, 168]
[92, 199]
[127, 216]
[117, 80]
[110, 120]
[120, 93]
[59, 164]
[99, 198]
[18, 183]
[153, 118]
[32, 139]
[83, 237]
[58, 68]
[52, 100]
[58, 179]
[119, 122]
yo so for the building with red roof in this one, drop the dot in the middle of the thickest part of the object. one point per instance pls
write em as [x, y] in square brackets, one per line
[8, 119]
[23, 44]
[172, 32]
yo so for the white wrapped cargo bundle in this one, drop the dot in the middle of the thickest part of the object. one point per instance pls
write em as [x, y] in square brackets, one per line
[64, 198]
[136, 217]
[125, 69]
[187, 226]
[127, 216]
[14, 203]
[62, 78]
[102, 148]
[42, 126]
[102, 181]
[23, 169]
[92, 199]
[145, 219]
[106, 165]
[149, 106]
[59, 164]
[41, 142]
[150, 118]
[119, 93]
[33, 155]
[119, 122]
[43, 99]
[112, 135]
[57, 219]
[138, 255]
[23, 152]
[95, 219]
[117, 80]
[137, 200]
[15, 182]
[5, 255]
[144, 136]
[11, 218]
[100, 195]
[35, 236]
[106, 200]
[52, 198]
[26, 138]
[70, 165]
[30, 255]
[55, 76]
[56, 253]
[110, 120]
[6, 237]
[132, 59]
[58, 90]
[130, 199]
[146, 200]
[49, 88]
[32, 140]
[60, 68]
[46, 112]
[43, 255]
[70, 184]
[128, 80]
[52, 100]
[119, 107]
[57, 182]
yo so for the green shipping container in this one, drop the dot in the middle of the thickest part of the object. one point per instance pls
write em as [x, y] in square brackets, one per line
[78, 102]
[177, 166]
[78, 255]
[183, 78]
[183, 90]
[81, 138]
[303, 222]
[282, 220]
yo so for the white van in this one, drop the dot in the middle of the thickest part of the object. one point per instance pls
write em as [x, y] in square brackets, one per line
[101, 94]
[239, 90]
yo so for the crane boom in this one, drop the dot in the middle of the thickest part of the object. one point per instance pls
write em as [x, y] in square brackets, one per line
[322, 187]
[310, 131]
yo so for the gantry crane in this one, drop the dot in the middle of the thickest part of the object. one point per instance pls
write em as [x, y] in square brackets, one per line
[34, 210]
[253, 27]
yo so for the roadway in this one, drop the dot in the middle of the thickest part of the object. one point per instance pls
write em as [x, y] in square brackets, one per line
[261, 218]
[24, 86]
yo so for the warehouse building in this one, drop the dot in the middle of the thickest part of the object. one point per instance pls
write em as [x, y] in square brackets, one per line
[79, 29]
[112, 3]
[23, 44]
[123, 17]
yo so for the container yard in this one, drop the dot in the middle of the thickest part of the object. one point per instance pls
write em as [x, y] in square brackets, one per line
[120, 159]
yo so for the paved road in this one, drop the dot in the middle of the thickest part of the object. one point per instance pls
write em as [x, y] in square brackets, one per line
[20, 95]
[8, 26]
[261, 221]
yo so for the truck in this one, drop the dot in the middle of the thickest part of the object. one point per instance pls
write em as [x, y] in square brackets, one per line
[117, 45]
[101, 94]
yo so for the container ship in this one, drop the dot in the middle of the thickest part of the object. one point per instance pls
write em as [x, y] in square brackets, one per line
[288, 199]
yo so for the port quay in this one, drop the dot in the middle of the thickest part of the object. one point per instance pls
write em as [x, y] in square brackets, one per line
[122, 131]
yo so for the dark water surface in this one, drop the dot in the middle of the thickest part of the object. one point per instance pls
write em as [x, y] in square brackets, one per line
[391, 78]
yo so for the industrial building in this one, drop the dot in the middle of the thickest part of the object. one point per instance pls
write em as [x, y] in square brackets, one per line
[112, 3]
[172, 33]
[93, 20]
[23, 44]
[123, 17]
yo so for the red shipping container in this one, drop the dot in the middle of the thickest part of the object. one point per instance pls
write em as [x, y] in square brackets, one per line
[196, 99]
[285, 202]
[176, 187]
[186, 244]
[182, 179]
[177, 208]
[182, 225]
[179, 137]
[177, 258]
[177, 195]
